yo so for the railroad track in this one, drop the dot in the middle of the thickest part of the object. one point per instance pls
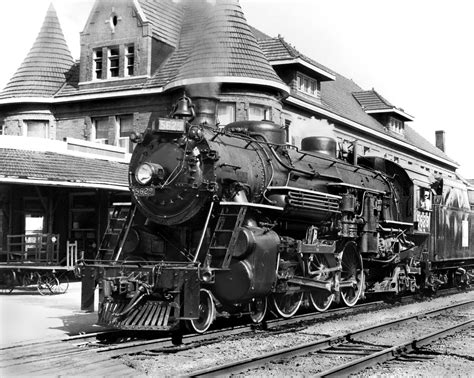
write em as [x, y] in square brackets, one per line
[348, 344]
[45, 357]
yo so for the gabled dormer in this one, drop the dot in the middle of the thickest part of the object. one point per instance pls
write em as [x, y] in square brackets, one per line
[127, 40]
[391, 117]
[302, 74]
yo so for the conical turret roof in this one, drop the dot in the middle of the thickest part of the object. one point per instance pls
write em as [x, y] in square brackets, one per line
[216, 45]
[46, 66]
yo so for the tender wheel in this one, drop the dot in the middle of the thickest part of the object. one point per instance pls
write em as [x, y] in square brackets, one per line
[258, 309]
[352, 272]
[320, 299]
[207, 313]
[7, 281]
[287, 304]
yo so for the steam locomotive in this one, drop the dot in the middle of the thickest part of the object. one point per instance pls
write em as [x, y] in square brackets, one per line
[232, 220]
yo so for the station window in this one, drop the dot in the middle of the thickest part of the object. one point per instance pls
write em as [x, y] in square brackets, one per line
[396, 125]
[100, 130]
[113, 62]
[259, 113]
[225, 113]
[129, 60]
[36, 129]
[124, 129]
[308, 85]
[114, 54]
[104, 128]
[98, 64]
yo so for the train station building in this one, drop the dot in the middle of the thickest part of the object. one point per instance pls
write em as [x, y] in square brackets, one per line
[65, 123]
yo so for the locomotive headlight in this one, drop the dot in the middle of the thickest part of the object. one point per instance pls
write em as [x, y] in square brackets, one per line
[148, 171]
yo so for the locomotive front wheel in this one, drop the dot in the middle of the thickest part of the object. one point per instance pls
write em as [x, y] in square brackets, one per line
[352, 272]
[207, 313]
[287, 304]
[258, 309]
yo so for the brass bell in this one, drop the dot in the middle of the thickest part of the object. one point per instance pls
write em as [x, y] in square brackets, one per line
[184, 108]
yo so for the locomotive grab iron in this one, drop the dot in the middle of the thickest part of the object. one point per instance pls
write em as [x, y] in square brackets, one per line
[231, 220]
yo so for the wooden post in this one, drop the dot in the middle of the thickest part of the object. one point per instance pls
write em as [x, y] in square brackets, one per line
[88, 288]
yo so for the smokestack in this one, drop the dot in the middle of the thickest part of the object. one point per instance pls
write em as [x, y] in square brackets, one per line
[440, 140]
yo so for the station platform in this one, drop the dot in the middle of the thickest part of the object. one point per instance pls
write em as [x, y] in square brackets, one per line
[27, 316]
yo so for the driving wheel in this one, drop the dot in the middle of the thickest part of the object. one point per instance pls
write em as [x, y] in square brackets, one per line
[320, 299]
[287, 304]
[352, 275]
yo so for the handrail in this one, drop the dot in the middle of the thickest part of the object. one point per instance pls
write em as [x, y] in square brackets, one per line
[40, 247]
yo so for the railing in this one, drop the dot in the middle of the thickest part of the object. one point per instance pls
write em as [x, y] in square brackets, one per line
[71, 254]
[40, 248]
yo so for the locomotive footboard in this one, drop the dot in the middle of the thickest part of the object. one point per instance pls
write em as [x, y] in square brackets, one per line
[148, 296]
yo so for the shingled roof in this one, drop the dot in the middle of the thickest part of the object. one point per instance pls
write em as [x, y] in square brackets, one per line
[278, 50]
[337, 97]
[216, 45]
[46, 66]
[165, 17]
[61, 169]
[372, 102]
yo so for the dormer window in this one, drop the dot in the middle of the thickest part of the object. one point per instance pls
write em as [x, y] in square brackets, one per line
[129, 60]
[114, 56]
[396, 125]
[308, 85]
[113, 62]
[98, 64]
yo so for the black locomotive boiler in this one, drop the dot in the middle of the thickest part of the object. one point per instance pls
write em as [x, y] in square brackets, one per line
[233, 220]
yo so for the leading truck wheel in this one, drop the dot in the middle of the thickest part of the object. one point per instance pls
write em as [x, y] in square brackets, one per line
[258, 309]
[352, 275]
[207, 313]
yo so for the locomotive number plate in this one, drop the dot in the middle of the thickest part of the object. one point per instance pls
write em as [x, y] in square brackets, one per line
[171, 125]
[148, 191]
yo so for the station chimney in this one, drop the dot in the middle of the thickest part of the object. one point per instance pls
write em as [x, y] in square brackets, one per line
[440, 139]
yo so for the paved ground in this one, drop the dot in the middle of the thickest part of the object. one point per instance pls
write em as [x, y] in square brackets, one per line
[25, 315]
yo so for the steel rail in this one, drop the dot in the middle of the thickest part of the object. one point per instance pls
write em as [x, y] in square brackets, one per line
[257, 361]
[32, 352]
[393, 352]
[137, 346]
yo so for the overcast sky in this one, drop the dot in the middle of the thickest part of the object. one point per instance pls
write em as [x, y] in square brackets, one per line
[418, 54]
